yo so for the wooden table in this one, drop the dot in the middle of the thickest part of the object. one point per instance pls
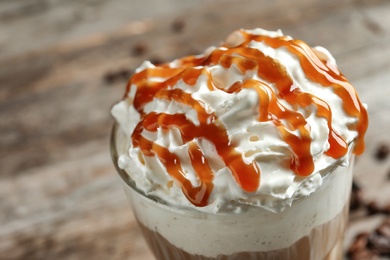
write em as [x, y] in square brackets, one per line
[63, 64]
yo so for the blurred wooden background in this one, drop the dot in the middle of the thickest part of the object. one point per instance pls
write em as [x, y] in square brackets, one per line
[63, 64]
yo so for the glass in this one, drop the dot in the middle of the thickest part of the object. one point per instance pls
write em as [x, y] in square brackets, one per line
[179, 233]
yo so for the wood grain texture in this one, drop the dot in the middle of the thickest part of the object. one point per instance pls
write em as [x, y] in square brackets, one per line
[61, 71]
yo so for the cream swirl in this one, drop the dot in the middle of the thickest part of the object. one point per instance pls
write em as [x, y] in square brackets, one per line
[259, 121]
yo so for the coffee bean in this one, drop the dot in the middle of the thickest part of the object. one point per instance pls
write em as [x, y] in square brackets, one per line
[139, 49]
[373, 208]
[112, 76]
[355, 186]
[384, 230]
[359, 244]
[356, 200]
[386, 209]
[382, 152]
[379, 243]
[178, 25]
[363, 255]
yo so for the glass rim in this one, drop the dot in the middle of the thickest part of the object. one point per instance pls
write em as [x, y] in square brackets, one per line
[122, 173]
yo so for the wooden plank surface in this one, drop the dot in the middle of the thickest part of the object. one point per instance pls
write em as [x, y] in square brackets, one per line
[60, 197]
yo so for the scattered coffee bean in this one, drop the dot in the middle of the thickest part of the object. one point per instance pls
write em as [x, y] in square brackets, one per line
[373, 208]
[363, 255]
[178, 25]
[382, 152]
[384, 229]
[139, 49]
[355, 186]
[379, 243]
[359, 244]
[113, 76]
[372, 245]
[386, 209]
[375, 244]
[356, 200]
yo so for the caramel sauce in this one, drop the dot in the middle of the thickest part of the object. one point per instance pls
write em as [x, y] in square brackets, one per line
[317, 71]
[246, 175]
[288, 122]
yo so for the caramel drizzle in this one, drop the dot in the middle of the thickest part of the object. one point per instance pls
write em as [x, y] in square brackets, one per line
[270, 109]
[317, 71]
[246, 175]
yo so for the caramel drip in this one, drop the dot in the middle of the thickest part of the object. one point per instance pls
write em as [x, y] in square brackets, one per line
[246, 175]
[272, 71]
[185, 98]
[271, 109]
[147, 89]
[317, 71]
[287, 121]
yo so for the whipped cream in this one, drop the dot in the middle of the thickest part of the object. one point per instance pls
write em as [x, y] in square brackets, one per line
[258, 121]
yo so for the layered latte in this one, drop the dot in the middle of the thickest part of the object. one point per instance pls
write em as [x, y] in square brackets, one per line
[242, 152]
